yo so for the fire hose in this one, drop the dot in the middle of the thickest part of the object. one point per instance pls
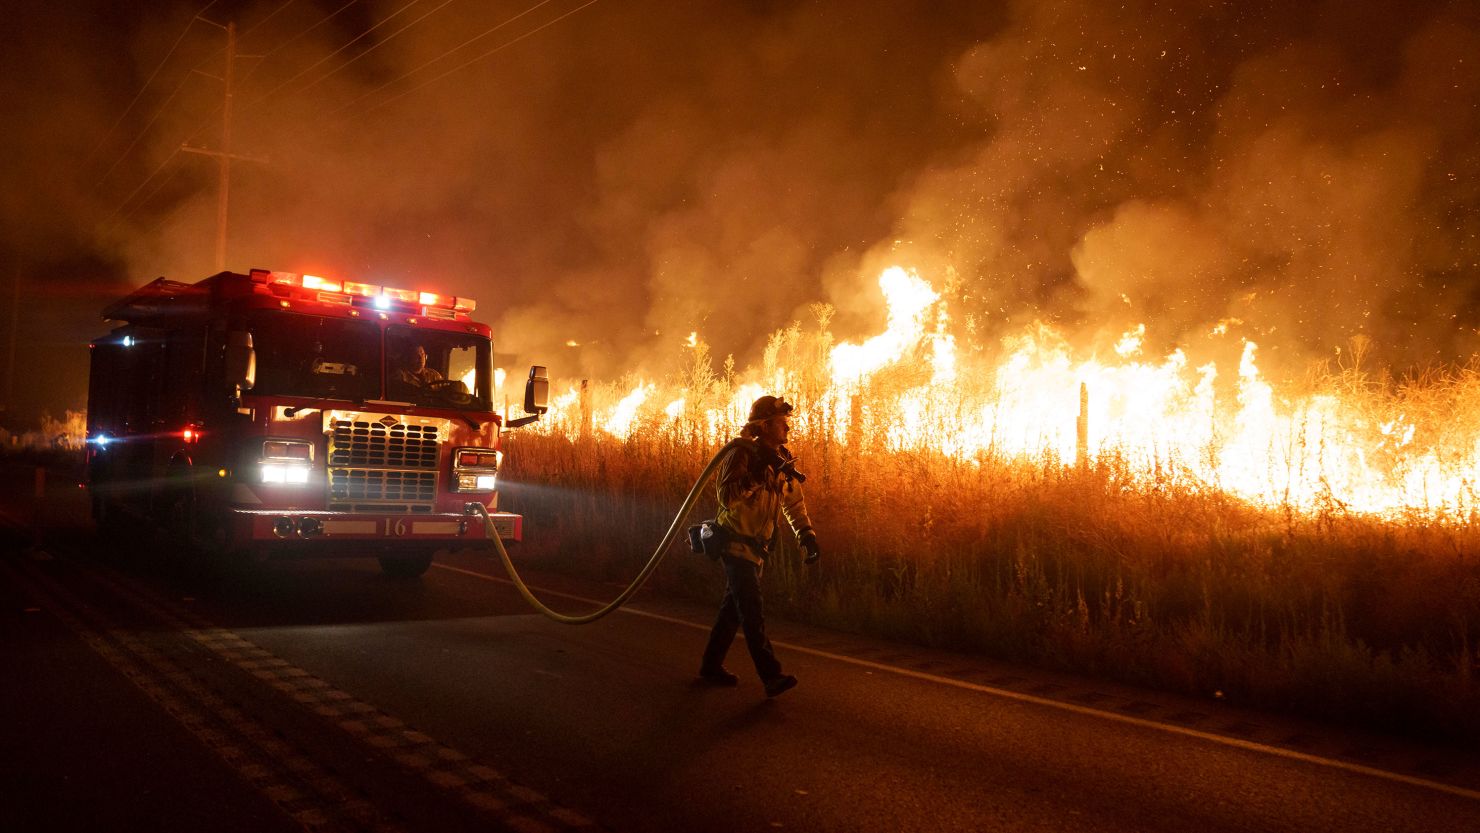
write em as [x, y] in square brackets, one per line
[642, 576]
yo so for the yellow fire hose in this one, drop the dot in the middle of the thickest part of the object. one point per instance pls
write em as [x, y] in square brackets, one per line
[642, 577]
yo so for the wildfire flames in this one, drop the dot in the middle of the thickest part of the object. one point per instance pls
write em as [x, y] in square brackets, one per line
[1163, 421]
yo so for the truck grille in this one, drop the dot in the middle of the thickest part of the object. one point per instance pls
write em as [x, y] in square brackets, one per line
[382, 466]
[378, 445]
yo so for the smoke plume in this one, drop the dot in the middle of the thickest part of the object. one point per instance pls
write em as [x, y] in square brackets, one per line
[617, 175]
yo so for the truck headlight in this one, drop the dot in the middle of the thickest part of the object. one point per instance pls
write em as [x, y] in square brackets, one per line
[475, 469]
[469, 482]
[286, 462]
[287, 474]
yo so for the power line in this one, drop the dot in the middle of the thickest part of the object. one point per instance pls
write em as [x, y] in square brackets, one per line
[501, 47]
[274, 13]
[449, 52]
[293, 39]
[152, 76]
[174, 154]
[185, 79]
[145, 131]
[152, 192]
[191, 136]
[265, 55]
[262, 61]
[320, 61]
[383, 42]
[135, 192]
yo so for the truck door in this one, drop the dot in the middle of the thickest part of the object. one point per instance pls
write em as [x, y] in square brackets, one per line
[140, 363]
[179, 366]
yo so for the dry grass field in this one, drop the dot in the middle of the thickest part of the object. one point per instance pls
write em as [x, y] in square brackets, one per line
[1147, 575]
[1345, 617]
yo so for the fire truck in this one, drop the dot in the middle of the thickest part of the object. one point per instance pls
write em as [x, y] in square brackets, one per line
[281, 414]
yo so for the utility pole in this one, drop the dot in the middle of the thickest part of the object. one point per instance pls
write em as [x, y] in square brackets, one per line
[224, 195]
[223, 155]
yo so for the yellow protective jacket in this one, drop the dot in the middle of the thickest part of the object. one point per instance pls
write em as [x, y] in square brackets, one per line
[751, 494]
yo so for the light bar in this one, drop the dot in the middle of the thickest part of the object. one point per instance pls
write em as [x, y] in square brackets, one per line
[316, 282]
[382, 297]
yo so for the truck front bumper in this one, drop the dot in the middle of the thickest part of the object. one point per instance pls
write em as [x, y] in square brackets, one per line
[327, 531]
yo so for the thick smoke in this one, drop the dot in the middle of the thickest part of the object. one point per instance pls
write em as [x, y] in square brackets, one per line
[639, 170]
[1312, 177]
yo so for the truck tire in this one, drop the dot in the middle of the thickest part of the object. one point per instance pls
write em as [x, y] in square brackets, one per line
[405, 566]
[108, 520]
[180, 517]
[175, 510]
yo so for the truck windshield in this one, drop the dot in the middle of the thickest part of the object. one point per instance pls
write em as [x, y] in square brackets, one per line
[308, 355]
[438, 369]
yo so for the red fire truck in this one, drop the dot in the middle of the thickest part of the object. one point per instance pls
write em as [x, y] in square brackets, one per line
[282, 414]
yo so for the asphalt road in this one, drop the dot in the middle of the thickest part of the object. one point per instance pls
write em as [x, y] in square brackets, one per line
[325, 696]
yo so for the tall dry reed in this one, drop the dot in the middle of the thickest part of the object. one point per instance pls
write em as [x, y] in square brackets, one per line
[1094, 569]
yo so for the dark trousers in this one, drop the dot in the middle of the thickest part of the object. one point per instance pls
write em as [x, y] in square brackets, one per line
[741, 609]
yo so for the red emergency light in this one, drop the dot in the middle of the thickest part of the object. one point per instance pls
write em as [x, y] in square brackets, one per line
[316, 282]
[381, 297]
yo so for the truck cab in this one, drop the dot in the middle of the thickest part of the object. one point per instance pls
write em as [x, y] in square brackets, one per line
[288, 415]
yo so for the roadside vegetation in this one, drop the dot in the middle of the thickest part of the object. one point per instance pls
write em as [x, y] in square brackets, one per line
[1144, 577]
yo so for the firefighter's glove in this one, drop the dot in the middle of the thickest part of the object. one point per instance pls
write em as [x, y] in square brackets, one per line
[810, 551]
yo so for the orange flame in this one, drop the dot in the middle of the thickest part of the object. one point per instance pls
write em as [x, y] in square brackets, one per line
[1163, 421]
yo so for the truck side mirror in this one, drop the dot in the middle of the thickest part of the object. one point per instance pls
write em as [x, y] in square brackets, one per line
[241, 360]
[537, 391]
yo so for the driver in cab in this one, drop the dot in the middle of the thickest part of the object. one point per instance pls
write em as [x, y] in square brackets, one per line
[415, 371]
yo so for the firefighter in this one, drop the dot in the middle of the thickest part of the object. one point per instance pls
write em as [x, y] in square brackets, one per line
[757, 482]
[415, 372]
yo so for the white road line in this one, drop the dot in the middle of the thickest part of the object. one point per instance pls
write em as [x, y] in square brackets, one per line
[1236, 743]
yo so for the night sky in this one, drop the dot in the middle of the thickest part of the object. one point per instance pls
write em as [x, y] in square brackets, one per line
[623, 172]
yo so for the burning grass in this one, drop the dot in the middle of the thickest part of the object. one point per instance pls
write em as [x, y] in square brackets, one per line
[1312, 545]
[1338, 615]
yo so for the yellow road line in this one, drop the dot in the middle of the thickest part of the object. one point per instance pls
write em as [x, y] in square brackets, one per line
[481, 786]
[302, 790]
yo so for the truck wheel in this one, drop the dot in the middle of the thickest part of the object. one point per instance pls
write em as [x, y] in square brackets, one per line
[405, 566]
[107, 520]
[180, 517]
